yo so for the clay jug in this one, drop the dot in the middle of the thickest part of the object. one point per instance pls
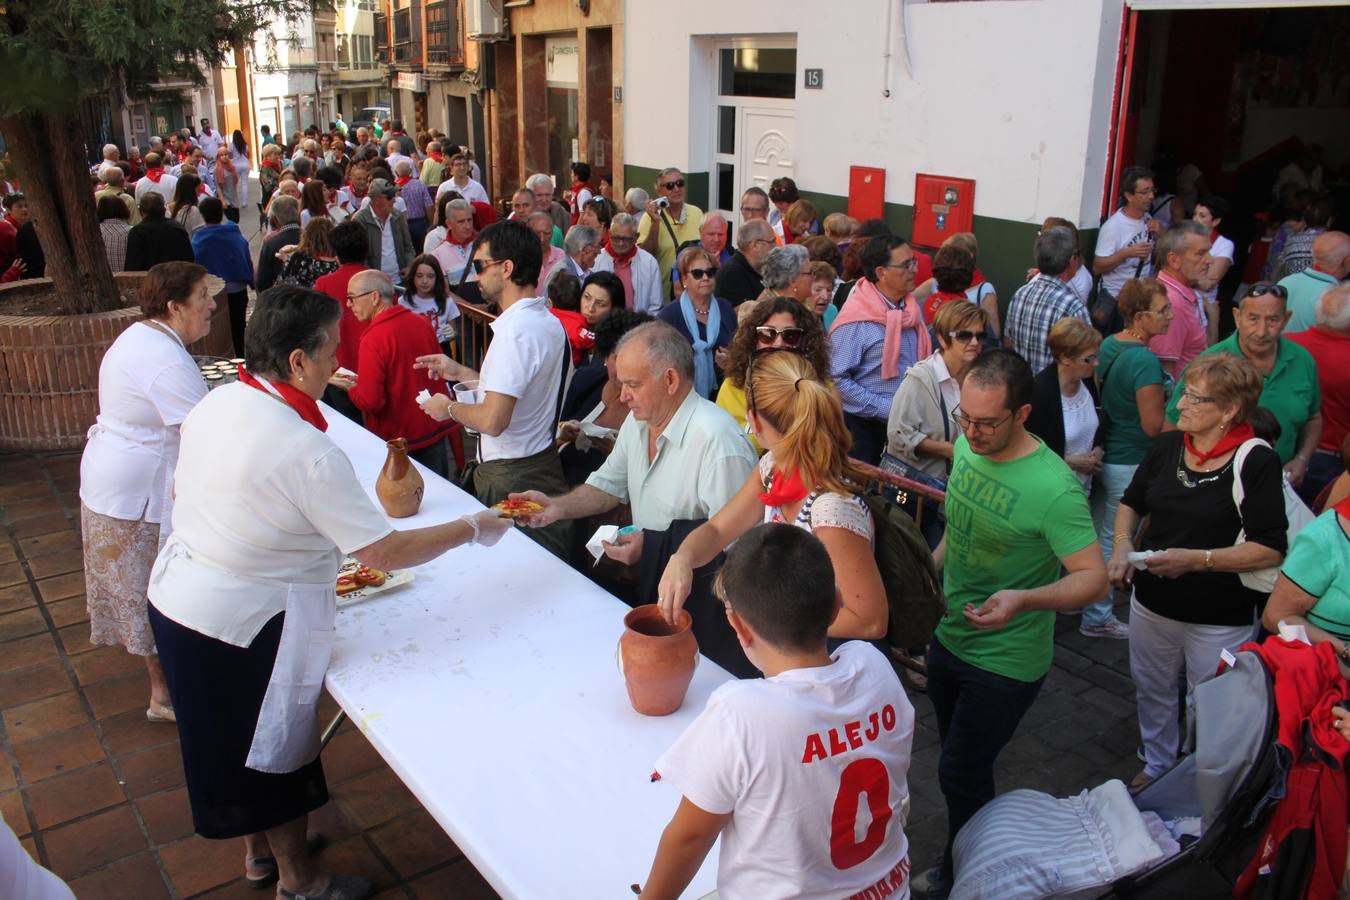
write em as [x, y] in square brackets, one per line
[657, 659]
[400, 484]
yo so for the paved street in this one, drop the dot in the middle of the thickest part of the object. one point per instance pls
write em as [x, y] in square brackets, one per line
[96, 792]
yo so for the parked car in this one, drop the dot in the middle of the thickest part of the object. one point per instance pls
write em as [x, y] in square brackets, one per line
[369, 116]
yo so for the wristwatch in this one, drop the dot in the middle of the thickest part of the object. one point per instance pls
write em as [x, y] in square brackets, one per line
[1209, 560]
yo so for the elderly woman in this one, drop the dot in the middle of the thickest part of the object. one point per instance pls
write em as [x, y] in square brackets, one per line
[147, 384]
[1189, 603]
[920, 431]
[242, 598]
[386, 393]
[804, 478]
[705, 321]
[598, 213]
[786, 272]
[778, 323]
[228, 183]
[313, 257]
[1064, 404]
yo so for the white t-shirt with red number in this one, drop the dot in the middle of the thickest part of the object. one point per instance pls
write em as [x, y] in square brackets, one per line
[813, 765]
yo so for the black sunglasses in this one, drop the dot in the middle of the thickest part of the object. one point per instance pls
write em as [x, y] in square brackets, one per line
[699, 274]
[1261, 288]
[672, 185]
[965, 337]
[792, 335]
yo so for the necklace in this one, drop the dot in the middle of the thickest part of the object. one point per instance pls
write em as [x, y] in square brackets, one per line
[1184, 477]
[1130, 332]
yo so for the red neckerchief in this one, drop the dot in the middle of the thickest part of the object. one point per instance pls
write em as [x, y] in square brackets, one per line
[464, 243]
[617, 256]
[1343, 507]
[201, 190]
[155, 174]
[784, 488]
[357, 196]
[1230, 441]
[1213, 235]
[272, 164]
[401, 180]
[304, 405]
[438, 156]
[787, 234]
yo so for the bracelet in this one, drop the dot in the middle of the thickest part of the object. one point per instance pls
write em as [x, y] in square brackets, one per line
[1209, 560]
[1122, 536]
[472, 522]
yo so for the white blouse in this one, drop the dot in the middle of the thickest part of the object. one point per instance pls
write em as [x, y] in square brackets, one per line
[1080, 427]
[264, 500]
[147, 384]
[823, 509]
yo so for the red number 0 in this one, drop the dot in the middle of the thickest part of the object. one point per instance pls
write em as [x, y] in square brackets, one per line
[862, 776]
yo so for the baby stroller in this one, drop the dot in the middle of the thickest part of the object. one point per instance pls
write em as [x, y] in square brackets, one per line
[1107, 842]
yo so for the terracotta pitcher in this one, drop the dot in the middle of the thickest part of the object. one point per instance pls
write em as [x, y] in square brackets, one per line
[400, 484]
[657, 659]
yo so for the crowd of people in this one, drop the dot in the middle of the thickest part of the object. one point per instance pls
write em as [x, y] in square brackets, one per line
[1093, 433]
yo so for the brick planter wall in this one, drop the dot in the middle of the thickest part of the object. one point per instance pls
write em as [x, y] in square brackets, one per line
[49, 368]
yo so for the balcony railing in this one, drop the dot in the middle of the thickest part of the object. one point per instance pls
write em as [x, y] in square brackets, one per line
[443, 47]
[381, 39]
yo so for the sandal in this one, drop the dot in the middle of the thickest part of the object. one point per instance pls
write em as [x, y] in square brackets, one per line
[339, 887]
[160, 712]
[314, 842]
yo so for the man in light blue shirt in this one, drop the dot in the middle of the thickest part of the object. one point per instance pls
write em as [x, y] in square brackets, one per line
[1331, 263]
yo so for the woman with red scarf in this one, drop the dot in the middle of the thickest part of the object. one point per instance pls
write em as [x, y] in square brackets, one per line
[806, 479]
[1189, 601]
[242, 597]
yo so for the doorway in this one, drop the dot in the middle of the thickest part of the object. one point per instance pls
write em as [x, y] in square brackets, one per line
[755, 127]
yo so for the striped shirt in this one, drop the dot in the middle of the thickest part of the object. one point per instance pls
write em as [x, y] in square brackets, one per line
[1035, 308]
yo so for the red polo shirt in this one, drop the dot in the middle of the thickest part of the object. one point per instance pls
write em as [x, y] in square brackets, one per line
[1330, 350]
[386, 391]
[350, 329]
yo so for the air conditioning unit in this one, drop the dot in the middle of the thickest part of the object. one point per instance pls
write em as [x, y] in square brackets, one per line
[484, 20]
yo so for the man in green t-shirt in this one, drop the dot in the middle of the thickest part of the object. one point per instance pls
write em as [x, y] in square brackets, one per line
[1291, 390]
[1016, 516]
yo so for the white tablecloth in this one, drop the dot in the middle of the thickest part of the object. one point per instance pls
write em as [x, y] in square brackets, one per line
[490, 686]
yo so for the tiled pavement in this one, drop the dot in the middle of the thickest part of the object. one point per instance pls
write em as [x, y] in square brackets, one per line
[95, 792]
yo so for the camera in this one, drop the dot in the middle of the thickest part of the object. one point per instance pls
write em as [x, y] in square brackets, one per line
[662, 202]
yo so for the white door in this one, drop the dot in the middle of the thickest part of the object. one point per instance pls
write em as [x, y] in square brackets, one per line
[765, 146]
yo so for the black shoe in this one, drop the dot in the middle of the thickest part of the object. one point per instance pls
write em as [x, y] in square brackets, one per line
[932, 884]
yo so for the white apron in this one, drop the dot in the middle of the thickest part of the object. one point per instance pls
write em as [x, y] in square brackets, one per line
[287, 734]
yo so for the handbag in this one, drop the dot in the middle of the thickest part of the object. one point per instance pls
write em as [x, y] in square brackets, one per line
[1296, 514]
[894, 465]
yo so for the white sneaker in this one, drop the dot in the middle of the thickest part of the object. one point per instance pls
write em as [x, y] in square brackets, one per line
[1112, 628]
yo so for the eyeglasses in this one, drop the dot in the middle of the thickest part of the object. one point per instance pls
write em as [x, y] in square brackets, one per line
[968, 424]
[751, 210]
[621, 238]
[353, 297]
[1164, 312]
[672, 185]
[1147, 190]
[1192, 397]
[480, 265]
[767, 334]
[909, 265]
[1261, 288]
[1090, 359]
[966, 337]
[700, 274]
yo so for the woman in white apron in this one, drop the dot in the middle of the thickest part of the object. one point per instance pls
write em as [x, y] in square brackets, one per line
[242, 598]
[147, 384]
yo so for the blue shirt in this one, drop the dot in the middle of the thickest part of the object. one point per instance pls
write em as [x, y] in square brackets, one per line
[1035, 308]
[855, 366]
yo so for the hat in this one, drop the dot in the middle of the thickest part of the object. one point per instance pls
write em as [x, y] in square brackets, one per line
[380, 186]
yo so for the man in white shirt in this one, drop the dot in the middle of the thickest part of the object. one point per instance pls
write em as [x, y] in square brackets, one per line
[156, 179]
[394, 154]
[455, 251]
[110, 157]
[460, 181]
[636, 268]
[1125, 241]
[210, 141]
[520, 388]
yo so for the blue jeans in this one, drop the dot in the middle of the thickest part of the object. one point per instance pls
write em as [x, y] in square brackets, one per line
[1323, 468]
[1110, 485]
[977, 713]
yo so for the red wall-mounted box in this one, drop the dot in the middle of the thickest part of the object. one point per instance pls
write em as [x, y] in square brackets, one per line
[943, 206]
[866, 193]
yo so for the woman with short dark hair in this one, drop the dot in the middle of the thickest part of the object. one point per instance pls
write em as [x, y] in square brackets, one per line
[183, 209]
[147, 384]
[243, 595]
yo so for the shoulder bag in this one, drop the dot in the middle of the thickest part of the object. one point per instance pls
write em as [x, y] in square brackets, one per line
[1295, 511]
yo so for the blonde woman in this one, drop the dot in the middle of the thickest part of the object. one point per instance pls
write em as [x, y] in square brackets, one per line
[805, 479]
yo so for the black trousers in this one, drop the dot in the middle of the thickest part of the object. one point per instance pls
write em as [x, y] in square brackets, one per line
[238, 301]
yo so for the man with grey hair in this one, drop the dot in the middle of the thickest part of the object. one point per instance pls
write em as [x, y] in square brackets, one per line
[739, 280]
[1330, 264]
[541, 186]
[581, 246]
[636, 268]
[284, 217]
[1183, 257]
[454, 252]
[670, 221]
[1045, 299]
[114, 182]
[390, 242]
[1329, 343]
[677, 460]
[110, 156]
[635, 203]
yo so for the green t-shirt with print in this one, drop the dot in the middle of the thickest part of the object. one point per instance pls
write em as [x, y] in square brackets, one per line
[1319, 563]
[1123, 368]
[1008, 526]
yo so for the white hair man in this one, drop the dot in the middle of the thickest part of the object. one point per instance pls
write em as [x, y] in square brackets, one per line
[541, 186]
[636, 268]
[1329, 343]
[110, 157]
[670, 221]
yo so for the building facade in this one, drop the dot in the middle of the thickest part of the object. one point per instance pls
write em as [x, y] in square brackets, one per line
[360, 79]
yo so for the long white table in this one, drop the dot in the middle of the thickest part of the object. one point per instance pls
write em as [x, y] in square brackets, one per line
[490, 686]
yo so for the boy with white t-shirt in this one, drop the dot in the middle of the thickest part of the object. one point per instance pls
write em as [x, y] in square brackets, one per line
[803, 774]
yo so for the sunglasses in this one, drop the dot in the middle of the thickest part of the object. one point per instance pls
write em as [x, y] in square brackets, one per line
[672, 185]
[1261, 288]
[480, 266]
[965, 337]
[700, 274]
[792, 335]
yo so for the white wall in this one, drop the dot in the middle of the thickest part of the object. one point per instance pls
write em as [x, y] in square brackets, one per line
[1013, 93]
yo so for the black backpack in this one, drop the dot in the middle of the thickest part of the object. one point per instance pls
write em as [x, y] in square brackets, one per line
[914, 599]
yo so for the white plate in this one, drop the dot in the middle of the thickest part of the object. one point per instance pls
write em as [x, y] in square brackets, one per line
[396, 579]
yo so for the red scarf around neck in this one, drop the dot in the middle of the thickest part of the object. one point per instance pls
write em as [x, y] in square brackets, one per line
[437, 156]
[616, 255]
[272, 164]
[1343, 507]
[305, 406]
[1229, 442]
[784, 488]
[401, 180]
[155, 174]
